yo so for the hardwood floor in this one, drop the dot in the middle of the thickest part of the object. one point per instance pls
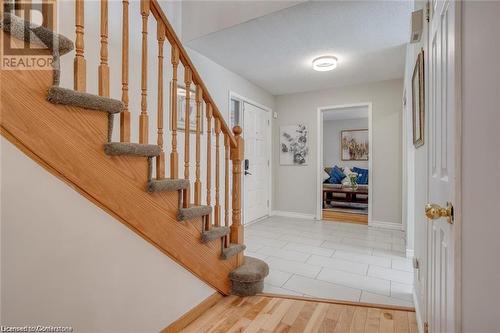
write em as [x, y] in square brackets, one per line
[344, 217]
[269, 314]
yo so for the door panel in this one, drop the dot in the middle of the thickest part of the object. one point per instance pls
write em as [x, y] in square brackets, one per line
[441, 106]
[256, 180]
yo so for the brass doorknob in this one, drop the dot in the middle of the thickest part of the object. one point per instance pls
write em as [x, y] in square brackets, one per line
[435, 212]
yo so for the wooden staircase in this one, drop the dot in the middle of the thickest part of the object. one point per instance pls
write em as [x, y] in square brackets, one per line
[69, 132]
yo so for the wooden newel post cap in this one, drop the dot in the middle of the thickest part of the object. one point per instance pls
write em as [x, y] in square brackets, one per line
[237, 130]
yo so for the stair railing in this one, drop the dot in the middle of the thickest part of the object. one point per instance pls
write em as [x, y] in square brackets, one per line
[231, 140]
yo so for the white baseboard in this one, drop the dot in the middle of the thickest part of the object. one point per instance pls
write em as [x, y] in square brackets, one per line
[410, 253]
[385, 225]
[418, 314]
[294, 215]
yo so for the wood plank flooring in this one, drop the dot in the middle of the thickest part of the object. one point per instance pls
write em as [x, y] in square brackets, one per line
[270, 314]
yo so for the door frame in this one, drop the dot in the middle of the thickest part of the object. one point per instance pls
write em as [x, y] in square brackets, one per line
[456, 192]
[269, 111]
[319, 161]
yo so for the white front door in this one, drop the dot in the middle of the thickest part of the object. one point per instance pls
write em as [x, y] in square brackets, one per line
[441, 101]
[256, 163]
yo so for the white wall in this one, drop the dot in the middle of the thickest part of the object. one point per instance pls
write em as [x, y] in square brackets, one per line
[295, 186]
[480, 149]
[67, 262]
[331, 141]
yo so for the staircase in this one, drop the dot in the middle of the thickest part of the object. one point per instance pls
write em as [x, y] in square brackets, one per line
[70, 133]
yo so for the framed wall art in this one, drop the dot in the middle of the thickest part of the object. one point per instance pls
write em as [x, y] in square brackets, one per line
[354, 145]
[418, 101]
[181, 110]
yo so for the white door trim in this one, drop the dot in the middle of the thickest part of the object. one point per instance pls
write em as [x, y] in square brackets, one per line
[319, 161]
[269, 111]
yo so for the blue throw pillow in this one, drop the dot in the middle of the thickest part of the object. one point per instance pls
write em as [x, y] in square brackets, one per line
[362, 175]
[336, 176]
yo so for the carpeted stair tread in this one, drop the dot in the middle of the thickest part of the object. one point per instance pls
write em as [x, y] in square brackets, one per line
[40, 35]
[58, 95]
[232, 250]
[252, 270]
[166, 185]
[193, 212]
[135, 149]
[214, 233]
[248, 279]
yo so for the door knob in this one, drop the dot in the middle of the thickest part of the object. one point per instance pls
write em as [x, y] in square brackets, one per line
[434, 212]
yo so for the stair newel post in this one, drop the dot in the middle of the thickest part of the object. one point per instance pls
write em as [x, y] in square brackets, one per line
[197, 183]
[188, 79]
[209, 159]
[143, 118]
[79, 65]
[237, 156]
[174, 155]
[226, 181]
[160, 159]
[217, 216]
[103, 71]
[125, 114]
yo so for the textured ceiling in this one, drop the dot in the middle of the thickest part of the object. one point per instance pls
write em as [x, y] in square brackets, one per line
[275, 51]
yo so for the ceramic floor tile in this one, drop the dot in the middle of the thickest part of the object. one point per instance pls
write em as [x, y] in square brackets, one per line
[284, 254]
[363, 258]
[322, 289]
[301, 240]
[390, 274]
[262, 234]
[340, 264]
[252, 246]
[369, 297]
[398, 247]
[358, 281]
[309, 249]
[292, 266]
[388, 254]
[257, 255]
[402, 291]
[402, 264]
[277, 278]
[277, 290]
[347, 247]
[265, 242]
[367, 243]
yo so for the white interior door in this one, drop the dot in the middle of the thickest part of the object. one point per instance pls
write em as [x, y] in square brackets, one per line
[256, 164]
[442, 80]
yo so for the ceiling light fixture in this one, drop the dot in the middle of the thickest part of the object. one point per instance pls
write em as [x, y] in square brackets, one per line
[324, 63]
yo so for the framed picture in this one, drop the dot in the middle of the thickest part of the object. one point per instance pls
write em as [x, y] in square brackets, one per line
[354, 145]
[181, 110]
[294, 145]
[418, 101]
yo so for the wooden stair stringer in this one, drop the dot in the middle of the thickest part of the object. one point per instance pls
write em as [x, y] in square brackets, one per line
[69, 141]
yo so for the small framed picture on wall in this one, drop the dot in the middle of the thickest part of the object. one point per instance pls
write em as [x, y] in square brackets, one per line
[181, 110]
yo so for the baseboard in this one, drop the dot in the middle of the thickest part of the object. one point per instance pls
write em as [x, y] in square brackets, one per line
[385, 225]
[193, 314]
[418, 314]
[410, 253]
[293, 214]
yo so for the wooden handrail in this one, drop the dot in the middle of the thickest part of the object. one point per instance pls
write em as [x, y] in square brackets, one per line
[186, 61]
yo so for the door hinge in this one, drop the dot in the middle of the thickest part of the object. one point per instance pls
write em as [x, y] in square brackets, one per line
[428, 11]
[426, 327]
[268, 122]
[268, 163]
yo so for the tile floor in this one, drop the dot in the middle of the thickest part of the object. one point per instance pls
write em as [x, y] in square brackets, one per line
[335, 260]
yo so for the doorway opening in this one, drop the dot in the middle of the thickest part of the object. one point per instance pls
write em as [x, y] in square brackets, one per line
[344, 160]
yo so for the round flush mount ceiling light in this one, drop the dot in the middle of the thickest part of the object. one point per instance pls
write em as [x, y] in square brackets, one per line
[324, 63]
